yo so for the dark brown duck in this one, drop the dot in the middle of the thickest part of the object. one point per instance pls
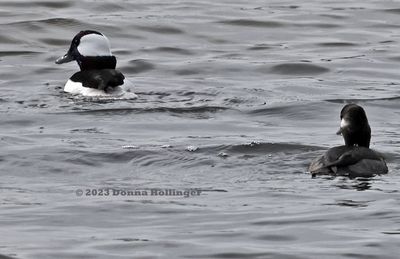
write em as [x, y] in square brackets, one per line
[355, 158]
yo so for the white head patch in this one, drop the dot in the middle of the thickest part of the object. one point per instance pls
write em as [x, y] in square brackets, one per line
[344, 123]
[92, 45]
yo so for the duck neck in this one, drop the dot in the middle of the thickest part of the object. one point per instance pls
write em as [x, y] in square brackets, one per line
[100, 62]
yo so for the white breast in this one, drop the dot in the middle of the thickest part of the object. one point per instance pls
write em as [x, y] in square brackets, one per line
[119, 92]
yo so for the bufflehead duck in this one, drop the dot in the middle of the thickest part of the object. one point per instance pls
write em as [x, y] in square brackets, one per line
[98, 76]
[355, 158]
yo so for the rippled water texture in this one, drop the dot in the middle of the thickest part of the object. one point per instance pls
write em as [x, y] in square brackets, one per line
[235, 99]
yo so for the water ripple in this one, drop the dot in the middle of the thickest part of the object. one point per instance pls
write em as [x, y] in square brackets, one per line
[253, 23]
[298, 69]
[138, 66]
[172, 50]
[161, 29]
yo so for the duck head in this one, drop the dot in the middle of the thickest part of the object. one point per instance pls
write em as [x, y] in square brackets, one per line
[91, 50]
[354, 126]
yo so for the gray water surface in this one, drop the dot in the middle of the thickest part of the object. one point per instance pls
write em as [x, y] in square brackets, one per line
[235, 100]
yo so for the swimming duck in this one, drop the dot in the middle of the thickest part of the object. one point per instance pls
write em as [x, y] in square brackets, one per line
[355, 158]
[97, 75]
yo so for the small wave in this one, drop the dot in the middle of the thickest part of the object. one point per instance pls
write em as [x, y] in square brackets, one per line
[385, 25]
[172, 50]
[335, 16]
[393, 10]
[109, 7]
[54, 5]
[128, 239]
[8, 40]
[252, 23]
[161, 29]
[192, 148]
[288, 221]
[54, 42]
[177, 110]
[19, 123]
[160, 156]
[211, 190]
[138, 66]
[395, 58]
[298, 69]
[243, 255]
[17, 53]
[213, 39]
[263, 148]
[98, 159]
[255, 148]
[87, 131]
[234, 100]
[6, 257]
[44, 24]
[337, 44]
[355, 100]
[318, 25]
[350, 203]
[259, 47]
[293, 111]
[276, 238]
[187, 72]
[59, 22]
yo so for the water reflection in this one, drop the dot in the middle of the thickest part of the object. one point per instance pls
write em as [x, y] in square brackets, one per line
[359, 183]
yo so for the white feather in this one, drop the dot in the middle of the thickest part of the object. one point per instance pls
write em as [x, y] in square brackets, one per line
[92, 45]
[344, 123]
[122, 91]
